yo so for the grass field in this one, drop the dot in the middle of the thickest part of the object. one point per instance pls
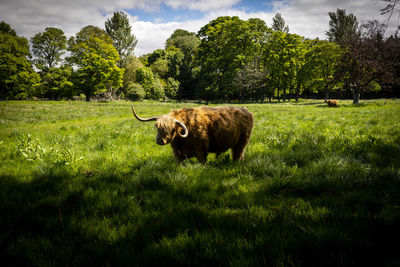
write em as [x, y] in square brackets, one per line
[85, 184]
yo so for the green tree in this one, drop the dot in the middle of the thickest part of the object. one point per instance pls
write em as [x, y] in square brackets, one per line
[226, 45]
[187, 43]
[96, 60]
[88, 32]
[48, 47]
[120, 31]
[151, 85]
[132, 65]
[135, 91]
[276, 60]
[171, 88]
[322, 61]
[342, 26]
[56, 83]
[166, 63]
[6, 29]
[17, 77]
[250, 83]
[297, 48]
[278, 24]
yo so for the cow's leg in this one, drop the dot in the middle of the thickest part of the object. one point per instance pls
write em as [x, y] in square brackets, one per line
[239, 149]
[202, 156]
[179, 156]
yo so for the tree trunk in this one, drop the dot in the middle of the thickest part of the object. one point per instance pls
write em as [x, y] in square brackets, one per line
[356, 96]
[114, 94]
[284, 94]
[326, 94]
[297, 95]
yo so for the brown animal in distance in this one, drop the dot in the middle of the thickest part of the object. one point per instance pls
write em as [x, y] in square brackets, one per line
[332, 103]
[195, 132]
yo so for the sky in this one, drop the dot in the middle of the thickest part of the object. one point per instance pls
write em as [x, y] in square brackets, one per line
[153, 21]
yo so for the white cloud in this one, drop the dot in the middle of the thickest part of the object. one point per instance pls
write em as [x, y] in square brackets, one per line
[308, 18]
[203, 5]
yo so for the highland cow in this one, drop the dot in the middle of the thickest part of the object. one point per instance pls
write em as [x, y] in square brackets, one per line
[332, 103]
[195, 132]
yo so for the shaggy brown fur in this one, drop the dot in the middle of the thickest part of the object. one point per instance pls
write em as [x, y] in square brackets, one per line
[210, 130]
[332, 103]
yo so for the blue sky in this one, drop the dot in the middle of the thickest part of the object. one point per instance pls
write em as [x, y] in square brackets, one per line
[153, 21]
[166, 13]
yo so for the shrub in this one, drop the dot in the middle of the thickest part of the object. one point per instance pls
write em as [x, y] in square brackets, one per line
[171, 87]
[151, 85]
[135, 91]
[157, 90]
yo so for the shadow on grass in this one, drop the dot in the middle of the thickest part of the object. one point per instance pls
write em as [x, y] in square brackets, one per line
[158, 213]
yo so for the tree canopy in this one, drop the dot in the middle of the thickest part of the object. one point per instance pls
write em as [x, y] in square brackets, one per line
[96, 60]
[48, 47]
[342, 26]
[120, 31]
[17, 77]
[228, 59]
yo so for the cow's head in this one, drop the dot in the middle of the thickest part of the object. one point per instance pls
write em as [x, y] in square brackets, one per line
[167, 127]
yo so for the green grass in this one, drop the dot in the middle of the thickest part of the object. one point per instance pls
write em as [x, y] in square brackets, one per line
[85, 184]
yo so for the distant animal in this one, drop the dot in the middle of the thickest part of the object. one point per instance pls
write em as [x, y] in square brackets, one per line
[332, 103]
[195, 132]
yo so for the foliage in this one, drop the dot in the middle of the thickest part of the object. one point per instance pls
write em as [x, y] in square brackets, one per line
[322, 60]
[96, 59]
[171, 88]
[318, 187]
[187, 43]
[30, 149]
[48, 47]
[88, 32]
[166, 63]
[250, 83]
[132, 65]
[17, 77]
[225, 47]
[135, 91]
[229, 59]
[151, 84]
[366, 60]
[160, 67]
[278, 24]
[6, 29]
[342, 26]
[56, 83]
[119, 29]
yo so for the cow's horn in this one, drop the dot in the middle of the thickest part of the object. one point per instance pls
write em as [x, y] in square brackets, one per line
[141, 119]
[185, 134]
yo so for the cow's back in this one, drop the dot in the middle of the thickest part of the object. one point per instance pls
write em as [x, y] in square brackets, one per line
[217, 128]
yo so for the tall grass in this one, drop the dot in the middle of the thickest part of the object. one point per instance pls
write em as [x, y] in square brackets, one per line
[85, 184]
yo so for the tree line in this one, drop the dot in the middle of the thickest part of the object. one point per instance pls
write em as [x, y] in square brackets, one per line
[229, 59]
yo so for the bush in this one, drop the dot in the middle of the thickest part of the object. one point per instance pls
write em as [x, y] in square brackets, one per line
[151, 85]
[157, 90]
[171, 87]
[135, 91]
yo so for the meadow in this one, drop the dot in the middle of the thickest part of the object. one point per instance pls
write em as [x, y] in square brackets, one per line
[85, 184]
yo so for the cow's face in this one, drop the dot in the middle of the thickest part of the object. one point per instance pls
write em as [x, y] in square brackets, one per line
[166, 127]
